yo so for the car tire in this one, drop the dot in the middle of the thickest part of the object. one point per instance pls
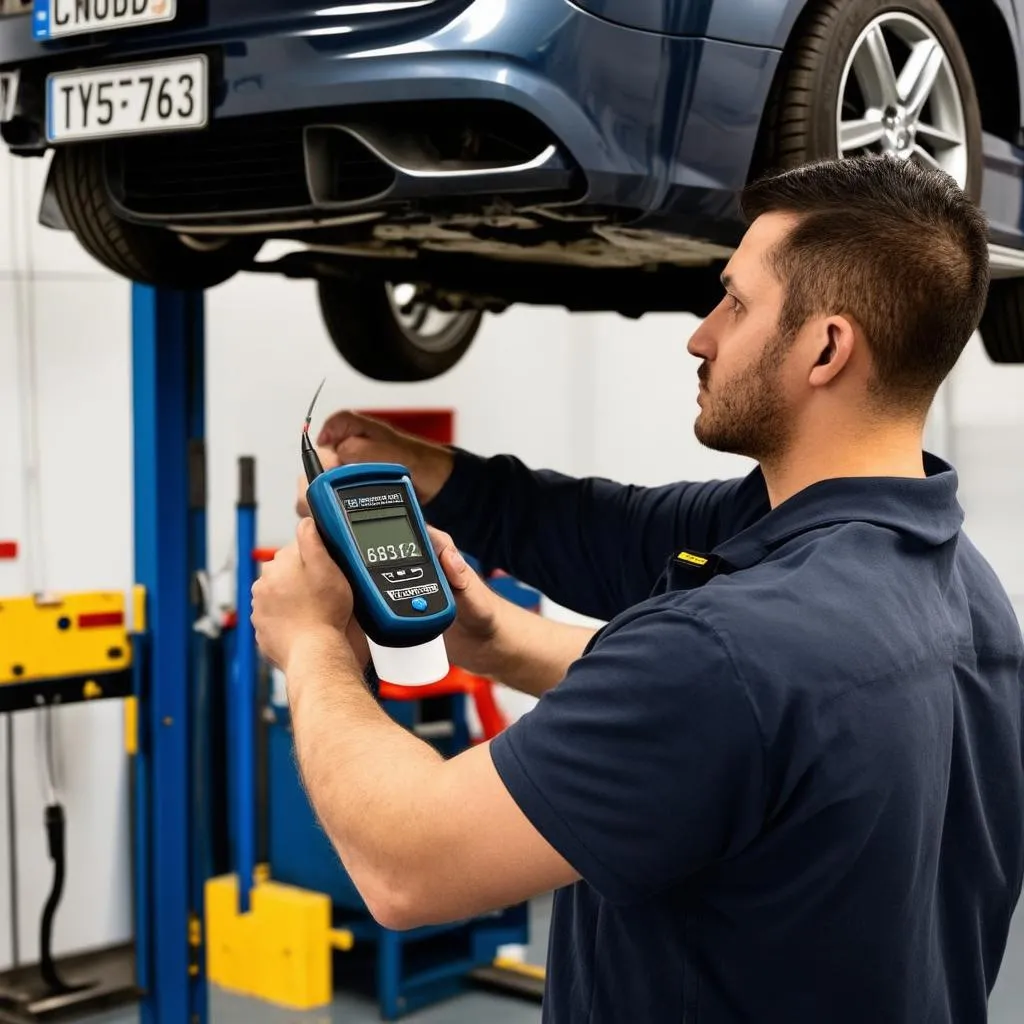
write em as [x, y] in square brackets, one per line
[1002, 325]
[818, 85]
[146, 255]
[367, 327]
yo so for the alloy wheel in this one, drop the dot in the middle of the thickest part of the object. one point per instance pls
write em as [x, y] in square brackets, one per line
[427, 327]
[899, 96]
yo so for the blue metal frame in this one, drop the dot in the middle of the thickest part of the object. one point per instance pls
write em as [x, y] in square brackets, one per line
[241, 716]
[170, 547]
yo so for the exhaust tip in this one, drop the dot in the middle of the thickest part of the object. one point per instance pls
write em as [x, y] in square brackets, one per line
[407, 150]
[341, 170]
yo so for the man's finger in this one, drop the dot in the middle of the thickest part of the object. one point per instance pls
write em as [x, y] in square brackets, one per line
[301, 505]
[314, 554]
[307, 537]
[457, 572]
[354, 448]
[334, 429]
[284, 557]
[345, 424]
[439, 540]
[328, 456]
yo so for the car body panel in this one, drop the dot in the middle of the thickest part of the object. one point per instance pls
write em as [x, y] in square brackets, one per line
[553, 60]
[768, 23]
[668, 17]
[1002, 194]
[1012, 12]
[755, 22]
[230, 22]
[657, 103]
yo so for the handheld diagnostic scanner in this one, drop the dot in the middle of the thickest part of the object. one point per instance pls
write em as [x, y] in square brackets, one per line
[371, 524]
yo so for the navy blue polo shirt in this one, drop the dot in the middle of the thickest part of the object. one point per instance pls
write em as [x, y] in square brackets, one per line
[790, 775]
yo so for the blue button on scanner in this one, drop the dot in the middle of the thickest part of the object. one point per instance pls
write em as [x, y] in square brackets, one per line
[419, 604]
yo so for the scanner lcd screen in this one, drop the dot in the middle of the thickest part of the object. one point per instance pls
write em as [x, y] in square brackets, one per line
[385, 535]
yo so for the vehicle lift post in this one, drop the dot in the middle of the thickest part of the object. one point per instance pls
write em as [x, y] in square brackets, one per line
[168, 396]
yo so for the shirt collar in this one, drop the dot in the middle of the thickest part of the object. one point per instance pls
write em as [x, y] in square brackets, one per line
[925, 509]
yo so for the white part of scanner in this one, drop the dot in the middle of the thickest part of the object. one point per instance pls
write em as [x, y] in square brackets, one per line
[411, 666]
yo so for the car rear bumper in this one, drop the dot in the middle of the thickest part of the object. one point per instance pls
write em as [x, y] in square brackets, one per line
[650, 123]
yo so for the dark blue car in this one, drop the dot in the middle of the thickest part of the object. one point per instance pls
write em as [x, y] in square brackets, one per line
[437, 159]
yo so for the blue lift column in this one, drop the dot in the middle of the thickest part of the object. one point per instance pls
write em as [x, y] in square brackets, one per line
[241, 714]
[168, 375]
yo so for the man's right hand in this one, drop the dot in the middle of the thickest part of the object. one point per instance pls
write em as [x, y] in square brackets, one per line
[350, 437]
[471, 640]
[493, 637]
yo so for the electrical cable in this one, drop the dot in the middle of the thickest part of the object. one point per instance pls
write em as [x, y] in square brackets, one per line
[45, 749]
[32, 556]
[12, 844]
[27, 347]
[55, 823]
[55, 842]
[310, 459]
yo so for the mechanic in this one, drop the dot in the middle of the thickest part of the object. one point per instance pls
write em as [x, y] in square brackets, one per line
[784, 784]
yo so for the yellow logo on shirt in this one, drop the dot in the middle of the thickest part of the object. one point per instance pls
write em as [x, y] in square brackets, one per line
[685, 556]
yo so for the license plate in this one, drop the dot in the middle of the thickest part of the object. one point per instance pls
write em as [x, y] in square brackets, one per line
[133, 99]
[54, 19]
[8, 95]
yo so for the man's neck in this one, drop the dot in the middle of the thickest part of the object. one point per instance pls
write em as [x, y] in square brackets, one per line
[892, 451]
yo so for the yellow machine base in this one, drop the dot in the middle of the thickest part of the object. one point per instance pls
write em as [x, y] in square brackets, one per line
[64, 635]
[279, 952]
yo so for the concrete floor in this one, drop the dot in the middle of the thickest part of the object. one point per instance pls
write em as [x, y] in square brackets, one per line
[1006, 1007]
[1007, 1003]
[472, 1008]
[469, 1009]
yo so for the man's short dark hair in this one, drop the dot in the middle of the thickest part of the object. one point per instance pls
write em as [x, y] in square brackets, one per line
[898, 247]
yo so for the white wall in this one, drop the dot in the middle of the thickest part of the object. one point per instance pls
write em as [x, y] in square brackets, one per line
[585, 394]
[988, 446]
[64, 335]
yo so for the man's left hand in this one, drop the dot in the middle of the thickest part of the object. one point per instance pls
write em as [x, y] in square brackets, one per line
[301, 595]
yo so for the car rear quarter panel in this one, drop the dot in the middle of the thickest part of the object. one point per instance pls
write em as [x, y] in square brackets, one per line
[755, 22]
[1012, 10]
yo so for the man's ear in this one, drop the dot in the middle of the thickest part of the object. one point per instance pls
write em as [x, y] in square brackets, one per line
[836, 347]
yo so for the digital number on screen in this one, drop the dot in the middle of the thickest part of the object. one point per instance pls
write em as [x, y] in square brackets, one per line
[392, 552]
[385, 535]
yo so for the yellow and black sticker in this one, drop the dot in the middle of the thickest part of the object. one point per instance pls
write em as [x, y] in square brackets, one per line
[688, 556]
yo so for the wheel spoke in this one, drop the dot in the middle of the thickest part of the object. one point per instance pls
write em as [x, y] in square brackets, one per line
[938, 137]
[875, 73]
[917, 79]
[857, 134]
[922, 154]
[419, 317]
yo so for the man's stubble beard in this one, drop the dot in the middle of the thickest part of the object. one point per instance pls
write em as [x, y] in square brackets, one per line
[747, 415]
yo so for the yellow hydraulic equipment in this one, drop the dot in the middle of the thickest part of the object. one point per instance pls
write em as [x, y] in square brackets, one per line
[280, 951]
[65, 648]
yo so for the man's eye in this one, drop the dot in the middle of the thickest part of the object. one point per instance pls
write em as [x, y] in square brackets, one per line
[734, 305]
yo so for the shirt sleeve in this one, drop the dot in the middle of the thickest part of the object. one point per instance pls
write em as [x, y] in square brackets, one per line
[589, 544]
[646, 763]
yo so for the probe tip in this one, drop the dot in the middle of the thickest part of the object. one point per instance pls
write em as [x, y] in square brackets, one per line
[309, 415]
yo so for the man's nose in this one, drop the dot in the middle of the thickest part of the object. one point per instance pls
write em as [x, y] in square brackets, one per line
[701, 343]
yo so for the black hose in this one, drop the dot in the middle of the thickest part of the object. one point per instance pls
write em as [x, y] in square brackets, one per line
[55, 841]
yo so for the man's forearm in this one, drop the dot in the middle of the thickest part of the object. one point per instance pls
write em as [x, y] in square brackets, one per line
[366, 776]
[532, 654]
